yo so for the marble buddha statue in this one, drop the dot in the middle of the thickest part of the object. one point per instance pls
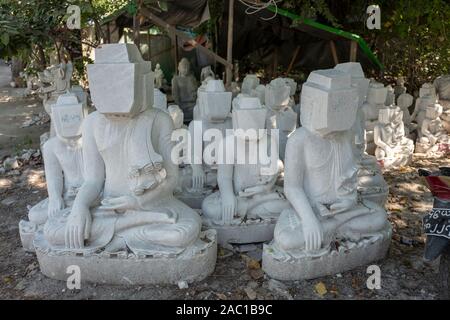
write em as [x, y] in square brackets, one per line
[327, 228]
[207, 73]
[159, 76]
[390, 96]
[376, 97]
[260, 93]
[404, 101]
[58, 77]
[126, 202]
[427, 97]
[280, 114]
[371, 184]
[399, 88]
[184, 89]
[394, 149]
[63, 164]
[433, 139]
[247, 197]
[442, 85]
[250, 82]
[200, 178]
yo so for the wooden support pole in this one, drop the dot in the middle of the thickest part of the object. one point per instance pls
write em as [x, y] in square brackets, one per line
[136, 32]
[334, 52]
[353, 51]
[275, 63]
[294, 57]
[108, 33]
[161, 23]
[229, 74]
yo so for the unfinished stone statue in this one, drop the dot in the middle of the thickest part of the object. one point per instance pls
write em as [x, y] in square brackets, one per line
[159, 100]
[184, 89]
[404, 101]
[125, 207]
[427, 97]
[371, 185]
[246, 207]
[433, 139]
[260, 93]
[376, 97]
[63, 168]
[159, 77]
[394, 149]
[399, 88]
[280, 114]
[250, 82]
[390, 96]
[327, 229]
[200, 178]
[58, 77]
[442, 85]
[207, 73]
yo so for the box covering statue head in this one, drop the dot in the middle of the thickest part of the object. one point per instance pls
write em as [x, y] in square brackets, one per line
[67, 115]
[377, 93]
[328, 102]
[214, 101]
[357, 77]
[120, 81]
[248, 113]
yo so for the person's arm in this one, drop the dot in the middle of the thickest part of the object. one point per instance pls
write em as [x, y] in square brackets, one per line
[54, 177]
[293, 188]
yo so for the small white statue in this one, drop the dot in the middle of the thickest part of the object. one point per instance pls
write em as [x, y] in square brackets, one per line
[327, 229]
[184, 89]
[400, 88]
[247, 197]
[427, 97]
[394, 149]
[442, 85]
[207, 73]
[404, 101]
[390, 96]
[260, 93]
[63, 163]
[280, 114]
[126, 204]
[159, 77]
[433, 138]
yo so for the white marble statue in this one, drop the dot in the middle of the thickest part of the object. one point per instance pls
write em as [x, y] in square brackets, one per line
[260, 93]
[394, 149]
[246, 207]
[250, 82]
[184, 89]
[207, 73]
[442, 85]
[427, 97]
[63, 163]
[126, 204]
[433, 139]
[371, 185]
[390, 96]
[376, 97]
[200, 178]
[404, 101]
[327, 229]
[280, 114]
[159, 77]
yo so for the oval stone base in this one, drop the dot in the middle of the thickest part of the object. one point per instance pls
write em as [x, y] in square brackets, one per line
[243, 233]
[122, 269]
[333, 262]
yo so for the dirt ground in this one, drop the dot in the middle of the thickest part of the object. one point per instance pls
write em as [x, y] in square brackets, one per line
[404, 275]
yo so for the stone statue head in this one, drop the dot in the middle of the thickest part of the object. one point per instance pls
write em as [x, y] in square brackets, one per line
[157, 67]
[184, 67]
[427, 89]
[214, 101]
[260, 93]
[159, 100]
[121, 82]
[292, 85]
[277, 94]
[177, 115]
[386, 115]
[248, 114]
[405, 100]
[250, 82]
[357, 77]
[67, 116]
[434, 111]
[377, 93]
[207, 73]
[328, 102]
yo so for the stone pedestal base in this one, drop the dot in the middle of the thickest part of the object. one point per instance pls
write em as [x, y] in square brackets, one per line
[252, 231]
[27, 233]
[285, 267]
[194, 264]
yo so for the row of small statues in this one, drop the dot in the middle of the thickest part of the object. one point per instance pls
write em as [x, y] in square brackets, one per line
[116, 189]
